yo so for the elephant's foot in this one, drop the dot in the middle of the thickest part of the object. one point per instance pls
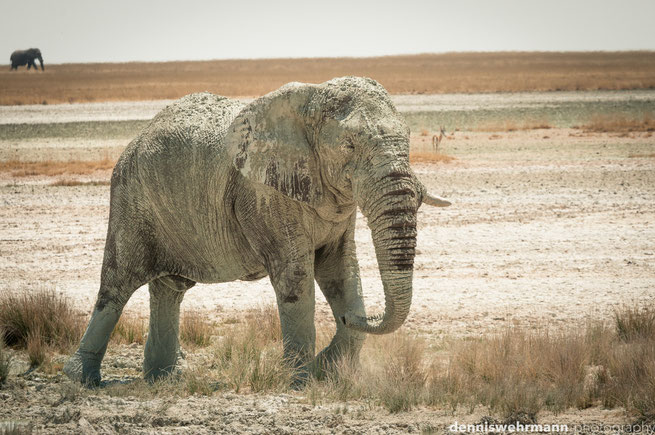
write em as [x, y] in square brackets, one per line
[156, 369]
[338, 354]
[153, 374]
[83, 368]
[300, 378]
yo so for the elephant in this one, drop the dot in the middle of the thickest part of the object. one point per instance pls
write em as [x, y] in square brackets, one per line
[214, 191]
[26, 57]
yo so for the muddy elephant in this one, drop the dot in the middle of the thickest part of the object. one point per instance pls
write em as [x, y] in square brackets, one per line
[26, 57]
[214, 191]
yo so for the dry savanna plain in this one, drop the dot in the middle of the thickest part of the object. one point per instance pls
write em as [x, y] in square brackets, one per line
[533, 293]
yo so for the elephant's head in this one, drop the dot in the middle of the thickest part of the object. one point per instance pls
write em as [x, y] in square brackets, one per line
[335, 146]
[36, 54]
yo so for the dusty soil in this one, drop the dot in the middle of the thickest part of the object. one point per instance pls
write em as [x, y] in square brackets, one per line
[548, 228]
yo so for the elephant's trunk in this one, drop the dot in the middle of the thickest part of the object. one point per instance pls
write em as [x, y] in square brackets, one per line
[41, 62]
[391, 214]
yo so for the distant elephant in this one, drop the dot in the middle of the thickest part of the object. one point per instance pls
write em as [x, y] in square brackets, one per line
[26, 57]
[214, 191]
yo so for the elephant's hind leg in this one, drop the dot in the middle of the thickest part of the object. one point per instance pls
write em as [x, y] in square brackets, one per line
[127, 265]
[115, 291]
[162, 346]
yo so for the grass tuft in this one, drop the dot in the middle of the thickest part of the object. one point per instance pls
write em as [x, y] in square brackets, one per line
[429, 157]
[129, 329]
[250, 355]
[40, 318]
[195, 329]
[635, 323]
[37, 349]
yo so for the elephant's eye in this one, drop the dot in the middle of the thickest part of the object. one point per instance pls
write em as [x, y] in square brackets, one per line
[349, 144]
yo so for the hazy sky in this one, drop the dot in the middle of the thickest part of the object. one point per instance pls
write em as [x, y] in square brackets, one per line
[127, 30]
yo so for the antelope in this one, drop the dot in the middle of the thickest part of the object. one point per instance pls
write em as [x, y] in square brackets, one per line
[436, 139]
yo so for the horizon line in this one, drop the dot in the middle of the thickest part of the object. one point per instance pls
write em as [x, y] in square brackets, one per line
[444, 53]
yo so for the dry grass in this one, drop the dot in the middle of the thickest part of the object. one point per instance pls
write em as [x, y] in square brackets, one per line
[635, 323]
[130, 329]
[516, 374]
[619, 124]
[429, 157]
[510, 125]
[249, 355]
[38, 320]
[52, 168]
[412, 74]
[195, 329]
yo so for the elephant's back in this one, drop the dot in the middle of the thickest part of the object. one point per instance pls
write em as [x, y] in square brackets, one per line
[201, 119]
[190, 131]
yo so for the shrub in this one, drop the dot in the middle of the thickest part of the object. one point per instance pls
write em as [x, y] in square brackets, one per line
[41, 317]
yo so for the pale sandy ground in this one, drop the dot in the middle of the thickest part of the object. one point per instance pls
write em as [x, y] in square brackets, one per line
[548, 228]
[122, 111]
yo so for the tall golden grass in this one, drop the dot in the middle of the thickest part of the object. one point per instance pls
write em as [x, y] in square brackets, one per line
[423, 74]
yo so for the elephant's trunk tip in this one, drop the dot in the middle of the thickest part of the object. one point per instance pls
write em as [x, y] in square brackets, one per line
[372, 324]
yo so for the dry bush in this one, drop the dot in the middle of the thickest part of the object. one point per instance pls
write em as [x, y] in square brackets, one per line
[517, 372]
[393, 373]
[51, 168]
[409, 74]
[619, 124]
[195, 329]
[250, 354]
[129, 329]
[424, 132]
[429, 157]
[42, 318]
[635, 323]
[37, 349]
[510, 125]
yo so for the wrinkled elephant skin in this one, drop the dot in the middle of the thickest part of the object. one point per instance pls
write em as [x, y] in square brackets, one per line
[216, 191]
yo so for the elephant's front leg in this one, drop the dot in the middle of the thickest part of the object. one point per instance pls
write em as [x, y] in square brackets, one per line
[337, 274]
[294, 287]
[162, 346]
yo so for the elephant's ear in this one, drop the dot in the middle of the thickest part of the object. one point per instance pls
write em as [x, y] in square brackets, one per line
[269, 143]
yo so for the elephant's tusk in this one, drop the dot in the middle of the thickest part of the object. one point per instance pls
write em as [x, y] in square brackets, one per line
[435, 201]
